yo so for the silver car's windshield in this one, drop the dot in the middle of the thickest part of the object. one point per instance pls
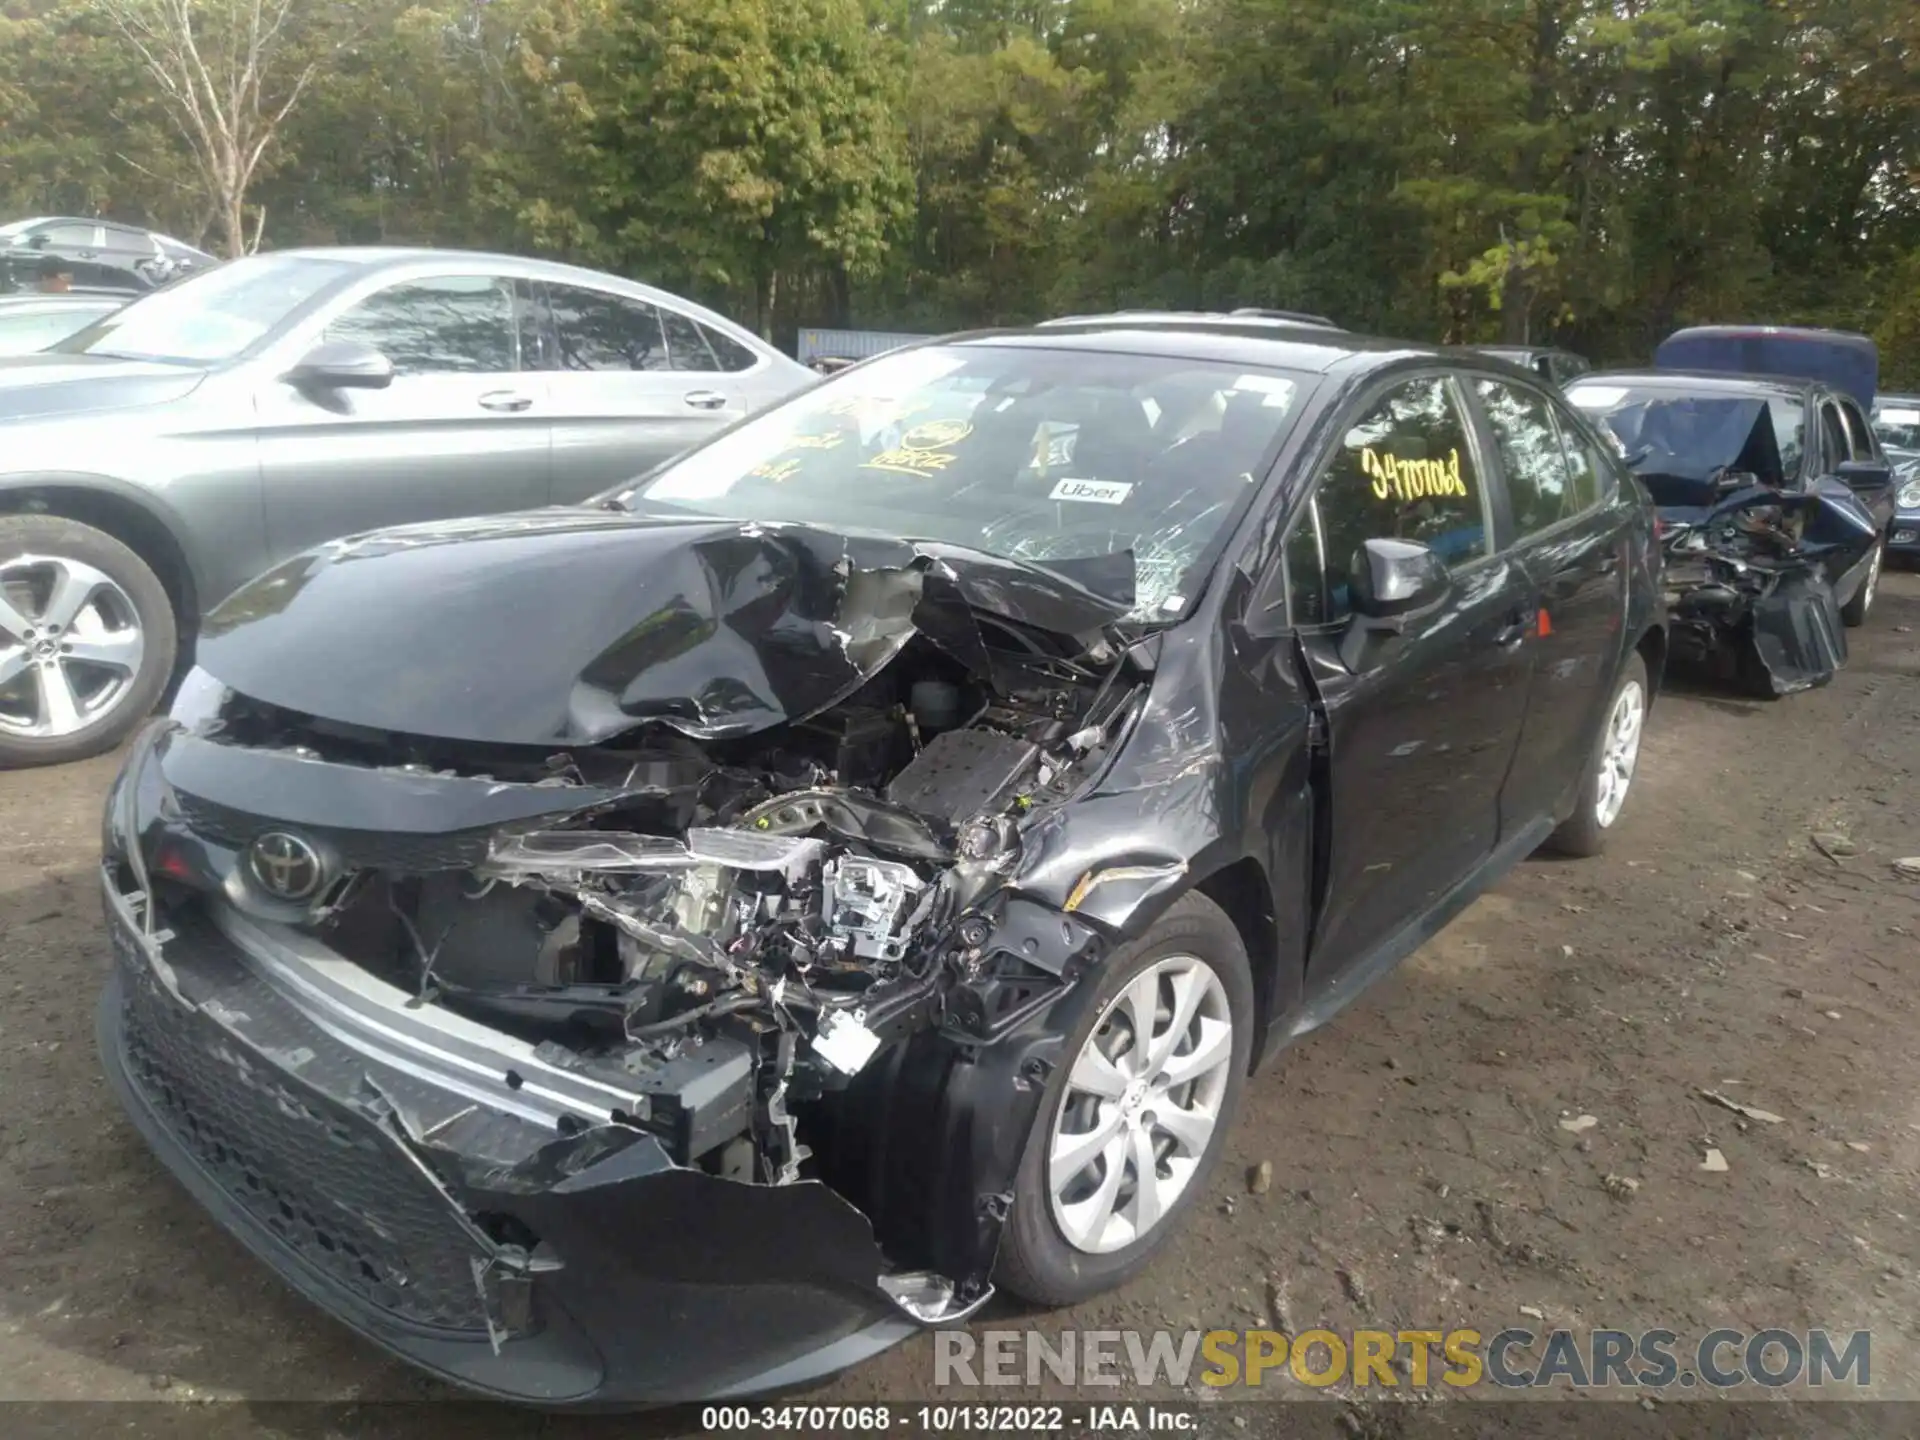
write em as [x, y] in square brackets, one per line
[210, 317]
[1896, 420]
[1032, 454]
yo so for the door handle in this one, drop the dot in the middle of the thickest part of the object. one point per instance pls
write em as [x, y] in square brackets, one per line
[706, 399]
[508, 400]
[1514, 631]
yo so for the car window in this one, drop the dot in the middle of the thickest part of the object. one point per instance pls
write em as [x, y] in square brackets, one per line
[1405, 470]
[1789, 433]
[128, 242]
[212, 316]
[1858, 437]
[22, 332]
[598, 331]
[1595, 471]
[1053, 457]
[1540, 481]
[1833, 436]
[449, 325]
[732, 354]
[687, 347]
[81, 237]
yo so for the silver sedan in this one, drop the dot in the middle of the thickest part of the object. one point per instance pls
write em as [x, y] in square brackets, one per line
[154, 461]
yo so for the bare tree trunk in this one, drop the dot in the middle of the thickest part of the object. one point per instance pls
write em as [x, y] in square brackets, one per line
[228, 82]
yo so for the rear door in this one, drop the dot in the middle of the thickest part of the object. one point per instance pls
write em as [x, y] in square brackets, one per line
[633, 384]
[1567, 529]
[463, 430]
[1422, 733]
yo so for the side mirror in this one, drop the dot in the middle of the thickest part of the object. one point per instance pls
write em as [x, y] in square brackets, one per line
[1393, 579]
[341, 365]
[1864, 474]
[37, 242]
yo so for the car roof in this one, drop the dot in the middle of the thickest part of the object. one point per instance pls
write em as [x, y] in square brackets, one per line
[1701, 382]
[1234, 339]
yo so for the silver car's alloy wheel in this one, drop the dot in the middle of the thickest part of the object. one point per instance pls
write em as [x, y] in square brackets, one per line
[1871, 584]
[1619, 753]
[1141, 1104]
[70, 646]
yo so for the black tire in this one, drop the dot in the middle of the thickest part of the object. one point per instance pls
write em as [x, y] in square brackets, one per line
[1036, 1260]
[1582, 833]
[1854, 613]
[54, 538]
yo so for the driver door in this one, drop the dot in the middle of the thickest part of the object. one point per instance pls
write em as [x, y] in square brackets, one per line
[464, 429]
[1422, 732]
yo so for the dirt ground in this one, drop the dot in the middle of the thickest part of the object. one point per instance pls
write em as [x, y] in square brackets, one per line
[1421, 1176]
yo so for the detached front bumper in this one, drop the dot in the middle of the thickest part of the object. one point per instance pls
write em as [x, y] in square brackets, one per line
[424, 1190]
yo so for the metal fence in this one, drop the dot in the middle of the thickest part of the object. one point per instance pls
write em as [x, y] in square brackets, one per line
[851, 344]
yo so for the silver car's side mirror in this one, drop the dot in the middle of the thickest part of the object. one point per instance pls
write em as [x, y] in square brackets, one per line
[341, 365]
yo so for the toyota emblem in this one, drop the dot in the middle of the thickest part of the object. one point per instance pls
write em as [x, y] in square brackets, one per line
[285, 866]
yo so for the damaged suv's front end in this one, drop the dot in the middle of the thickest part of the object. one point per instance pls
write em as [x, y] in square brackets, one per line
[596, 954]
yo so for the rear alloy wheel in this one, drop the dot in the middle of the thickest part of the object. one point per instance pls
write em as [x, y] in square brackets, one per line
[1133, 1124]
[86, 640]
[1610, 768]
[1853, 614]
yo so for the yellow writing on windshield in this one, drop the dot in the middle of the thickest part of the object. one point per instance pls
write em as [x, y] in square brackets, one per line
[1403, 479]
[775, 470]
[828, 441]
[923, 451]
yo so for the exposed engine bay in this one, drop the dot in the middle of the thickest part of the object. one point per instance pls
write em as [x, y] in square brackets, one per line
[1750, 584]
[796, 897]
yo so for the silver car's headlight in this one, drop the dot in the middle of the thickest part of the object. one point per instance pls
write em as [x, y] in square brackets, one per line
[1909, 496]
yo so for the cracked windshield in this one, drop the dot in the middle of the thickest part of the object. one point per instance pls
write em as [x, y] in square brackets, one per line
[1036, 455]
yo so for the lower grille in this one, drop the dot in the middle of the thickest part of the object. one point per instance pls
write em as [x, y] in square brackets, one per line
[320, 1178]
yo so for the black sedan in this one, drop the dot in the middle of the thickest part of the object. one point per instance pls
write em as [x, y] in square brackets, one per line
[95, 252]
[678, 947]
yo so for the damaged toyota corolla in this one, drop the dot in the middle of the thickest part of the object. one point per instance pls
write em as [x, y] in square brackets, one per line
[678, 947]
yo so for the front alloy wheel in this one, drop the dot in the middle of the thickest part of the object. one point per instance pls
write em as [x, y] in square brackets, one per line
[87, 640]
[71, 646]
[1136, 1110]
[1141, 1104]
[1854, 613]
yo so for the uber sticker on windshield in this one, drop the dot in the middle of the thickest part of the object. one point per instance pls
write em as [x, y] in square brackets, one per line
[1092, 492]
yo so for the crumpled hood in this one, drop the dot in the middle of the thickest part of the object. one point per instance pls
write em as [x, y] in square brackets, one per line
[52, 386]
[571, 626]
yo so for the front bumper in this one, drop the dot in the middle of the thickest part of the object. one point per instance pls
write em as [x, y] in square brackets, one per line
[419, 1194]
